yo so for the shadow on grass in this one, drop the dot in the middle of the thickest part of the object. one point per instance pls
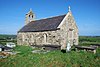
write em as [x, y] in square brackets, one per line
[63, 51]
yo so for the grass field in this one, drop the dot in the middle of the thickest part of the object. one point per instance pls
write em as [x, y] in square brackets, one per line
[7, 38]
[88, 40]
[53, 58]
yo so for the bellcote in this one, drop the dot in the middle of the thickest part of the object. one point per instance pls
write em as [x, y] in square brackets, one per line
[30, 16]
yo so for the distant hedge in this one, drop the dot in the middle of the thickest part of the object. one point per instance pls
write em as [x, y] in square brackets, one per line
[89, 38]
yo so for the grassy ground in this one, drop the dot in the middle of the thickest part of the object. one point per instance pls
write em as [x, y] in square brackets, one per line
[7, 38]
[54, 58]
[88, 40]
[51, 59]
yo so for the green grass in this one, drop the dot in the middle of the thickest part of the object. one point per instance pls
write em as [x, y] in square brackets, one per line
[54, 58]
[7, 38]
[51, 59]
[88, 40]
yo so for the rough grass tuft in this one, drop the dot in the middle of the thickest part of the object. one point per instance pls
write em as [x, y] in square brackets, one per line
[51, 59]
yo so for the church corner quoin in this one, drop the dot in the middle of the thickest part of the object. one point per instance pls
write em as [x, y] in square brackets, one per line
[58, 30]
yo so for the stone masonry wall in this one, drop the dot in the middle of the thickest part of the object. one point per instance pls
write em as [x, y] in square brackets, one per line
[39, 38]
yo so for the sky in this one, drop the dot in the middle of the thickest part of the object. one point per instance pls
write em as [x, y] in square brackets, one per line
[86, 14]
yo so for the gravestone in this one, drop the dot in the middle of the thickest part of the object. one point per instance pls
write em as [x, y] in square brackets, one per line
[68, 47]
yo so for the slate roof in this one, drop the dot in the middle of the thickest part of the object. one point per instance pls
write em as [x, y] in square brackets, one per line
[43, 24]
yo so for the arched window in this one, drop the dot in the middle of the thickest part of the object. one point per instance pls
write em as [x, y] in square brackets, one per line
[29, 15]
[32, 16]
[45, 38]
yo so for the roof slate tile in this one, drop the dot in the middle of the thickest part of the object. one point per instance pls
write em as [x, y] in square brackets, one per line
[43, 24]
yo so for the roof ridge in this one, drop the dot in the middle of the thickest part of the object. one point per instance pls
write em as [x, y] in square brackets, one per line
[48, 17]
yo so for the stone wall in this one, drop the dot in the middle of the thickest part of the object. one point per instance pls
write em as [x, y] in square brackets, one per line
[39, 38]
[69, 31]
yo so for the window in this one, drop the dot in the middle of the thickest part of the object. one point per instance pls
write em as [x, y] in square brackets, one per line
[29, 15]
[45, 38]
[32, 16]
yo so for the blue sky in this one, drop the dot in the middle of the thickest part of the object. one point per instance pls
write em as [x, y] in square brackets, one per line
[86, 13]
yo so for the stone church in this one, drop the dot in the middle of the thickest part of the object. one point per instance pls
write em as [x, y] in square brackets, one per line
[57, 30]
